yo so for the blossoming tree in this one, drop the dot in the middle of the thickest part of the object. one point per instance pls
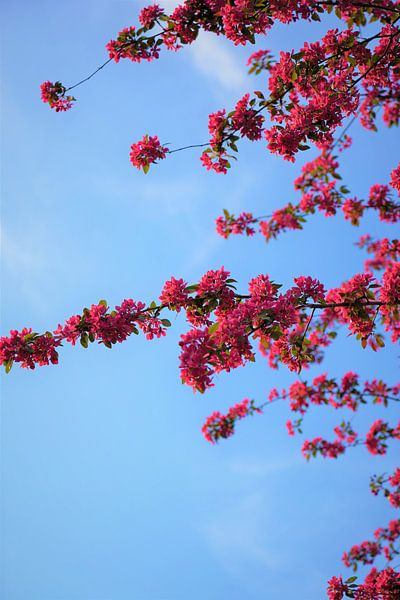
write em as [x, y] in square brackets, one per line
[313, 95]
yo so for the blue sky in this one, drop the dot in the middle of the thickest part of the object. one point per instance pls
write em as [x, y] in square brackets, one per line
[109, 491]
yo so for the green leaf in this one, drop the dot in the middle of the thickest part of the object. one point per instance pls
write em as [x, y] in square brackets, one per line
[103, 302]
[84, 340]
[213, 328]
[192, 288]
[8, 365]
[166, 322]
[146, 168]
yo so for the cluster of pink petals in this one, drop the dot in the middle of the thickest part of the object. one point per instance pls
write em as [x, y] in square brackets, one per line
[174, 294]
[219, 426]
[395, 179]
[146, 152]
[384, 252]
[129, 44]
[229, 224]
[96, 323]
[53, 94]
[320, 446]
[347, 393]
[366, 552]
[378, 435]
[149, 15]
[224, 323]
[391, 491]
[377, 585]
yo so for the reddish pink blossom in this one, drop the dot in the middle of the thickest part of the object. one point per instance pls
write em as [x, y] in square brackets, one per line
[395, 179]
[223, 426]
[228, 224]
[175, 294]
[149, 15]
[54, 95]
[146, 152]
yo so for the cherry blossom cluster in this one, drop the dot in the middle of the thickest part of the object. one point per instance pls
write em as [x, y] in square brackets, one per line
[53, 94]
[389, 486]
[395, 179]
[146, 152]
[226, 130]
[224, 323]
[383, 543]
[384, 252]
[378, 434]
[230, 224]
[375, 442]
[377, 585]
[310, 92]
[348, 393]
[96, 323]
[219, 426]
[319, 184]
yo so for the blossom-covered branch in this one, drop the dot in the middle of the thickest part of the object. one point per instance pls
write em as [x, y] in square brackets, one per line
[224, 322]
[321, 190]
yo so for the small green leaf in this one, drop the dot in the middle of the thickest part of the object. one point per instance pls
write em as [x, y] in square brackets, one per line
[213, 328]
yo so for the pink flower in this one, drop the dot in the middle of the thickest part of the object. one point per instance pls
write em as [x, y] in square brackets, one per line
[54, 95]
[174, 294]
[149, 15]
[146, 152]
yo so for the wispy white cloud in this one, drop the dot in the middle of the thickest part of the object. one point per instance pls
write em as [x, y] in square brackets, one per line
[237, 537]
[262, 468]
[17, 258]
[212, 58]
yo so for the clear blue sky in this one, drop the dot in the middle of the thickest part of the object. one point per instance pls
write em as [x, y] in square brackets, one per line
[109, 491]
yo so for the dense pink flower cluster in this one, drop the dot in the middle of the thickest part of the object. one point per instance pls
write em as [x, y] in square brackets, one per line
[384, 252]
[320, 446]
[379, 198]
[395, 179]
[319, 184]
[146, 152]
[375, 441]
[389, 294]
[54, 95]
[366, 552]
[377, 585]
[229, 224]
[378, 434]
[246, 121]
[348, 393]
[351, 309]
[175, 294]
[391, 491]
[96, 323]
[149, 15]
[219, 426]
[224, 322]
[130, 44]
